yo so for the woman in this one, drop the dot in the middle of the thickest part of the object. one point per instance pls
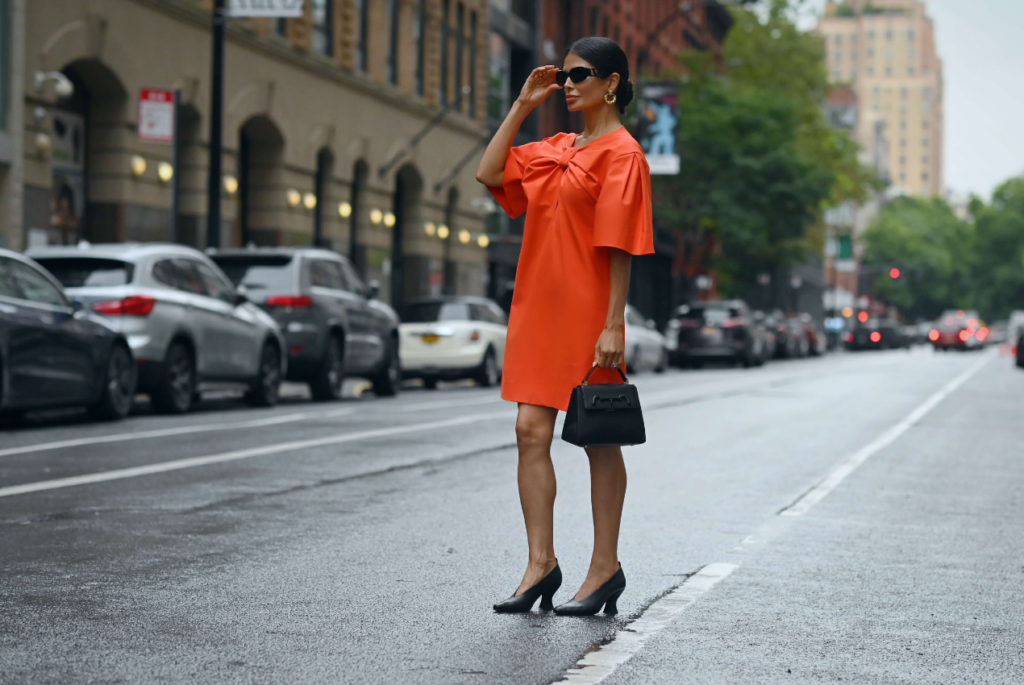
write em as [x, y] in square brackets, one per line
[588, 208]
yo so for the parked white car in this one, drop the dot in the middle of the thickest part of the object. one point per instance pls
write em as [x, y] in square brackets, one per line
[448, 338]
[646, 348]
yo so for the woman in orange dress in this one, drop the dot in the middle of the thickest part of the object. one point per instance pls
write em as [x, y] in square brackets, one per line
[588, 209]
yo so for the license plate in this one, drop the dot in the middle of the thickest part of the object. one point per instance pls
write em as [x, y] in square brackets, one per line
[430, 338]
[711, 331]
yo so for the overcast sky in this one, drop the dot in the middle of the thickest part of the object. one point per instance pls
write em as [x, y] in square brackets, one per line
[981, 43]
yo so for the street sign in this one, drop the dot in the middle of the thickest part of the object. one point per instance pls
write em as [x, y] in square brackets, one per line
[156, 115]
[657, 120]
[266, 8]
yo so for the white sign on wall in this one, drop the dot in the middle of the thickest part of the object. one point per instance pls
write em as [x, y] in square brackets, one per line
[266, 8]
[156, 115]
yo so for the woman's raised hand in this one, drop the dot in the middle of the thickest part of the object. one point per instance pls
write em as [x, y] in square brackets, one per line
[539, 85]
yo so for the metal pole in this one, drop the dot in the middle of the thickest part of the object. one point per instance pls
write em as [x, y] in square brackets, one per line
[216, 115]
[175, 166]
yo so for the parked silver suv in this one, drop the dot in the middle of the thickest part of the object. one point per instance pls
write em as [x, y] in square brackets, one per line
[190, 330]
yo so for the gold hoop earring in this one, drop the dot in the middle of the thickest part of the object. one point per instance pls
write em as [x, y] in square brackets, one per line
[610, 98]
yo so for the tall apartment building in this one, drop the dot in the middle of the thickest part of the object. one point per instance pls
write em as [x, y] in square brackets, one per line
[885, 50]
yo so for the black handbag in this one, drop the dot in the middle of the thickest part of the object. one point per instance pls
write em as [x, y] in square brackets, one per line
[604, 415]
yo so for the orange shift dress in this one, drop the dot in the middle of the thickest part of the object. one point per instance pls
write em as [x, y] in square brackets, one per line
[578, 202]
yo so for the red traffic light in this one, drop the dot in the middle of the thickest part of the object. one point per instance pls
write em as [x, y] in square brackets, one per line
[894, 273]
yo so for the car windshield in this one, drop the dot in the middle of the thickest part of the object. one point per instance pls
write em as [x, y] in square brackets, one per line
[711, 315]
[257, 272]
[951, 324]
[428, 312]
[88, 272]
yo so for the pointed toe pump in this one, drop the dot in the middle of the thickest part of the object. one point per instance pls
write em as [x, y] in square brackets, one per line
[545, 589]
[607, 595]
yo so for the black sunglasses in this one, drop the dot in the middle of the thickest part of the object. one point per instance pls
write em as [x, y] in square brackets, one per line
[577, 74]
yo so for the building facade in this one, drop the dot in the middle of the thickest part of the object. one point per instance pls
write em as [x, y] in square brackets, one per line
[886, 52]
[333, 131]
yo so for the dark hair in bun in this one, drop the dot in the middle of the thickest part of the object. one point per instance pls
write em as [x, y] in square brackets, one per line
[608, 58]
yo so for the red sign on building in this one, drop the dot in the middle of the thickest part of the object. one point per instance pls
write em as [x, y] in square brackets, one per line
[156, 115]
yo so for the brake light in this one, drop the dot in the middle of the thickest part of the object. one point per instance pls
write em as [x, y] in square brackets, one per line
[732, 323]
[294, 301]
[964, 335]
[933, 335]
[689, 323]
[136, 305]
[982, 333]
[849, 337]
[474, 336]
[876, 336]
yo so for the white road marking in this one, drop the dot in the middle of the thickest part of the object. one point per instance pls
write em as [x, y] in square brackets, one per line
[444, 404]
[599, 664]
[192, 462]
[850, 464]
[178, 430]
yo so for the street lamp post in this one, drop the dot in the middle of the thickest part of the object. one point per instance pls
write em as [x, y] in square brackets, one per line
[216, 125]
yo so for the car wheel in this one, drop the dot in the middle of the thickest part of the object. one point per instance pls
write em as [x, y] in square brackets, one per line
[662, 362]
[1020, 353]
[265, 390]
[327, 384]
[118, 386]
[387, 380]
[174, 396]
[696, 363]
[430, 383]
[631, 359]
[487, 375]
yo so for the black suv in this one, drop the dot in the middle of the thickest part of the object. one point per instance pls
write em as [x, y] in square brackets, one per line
[713, 331]
[331, 322]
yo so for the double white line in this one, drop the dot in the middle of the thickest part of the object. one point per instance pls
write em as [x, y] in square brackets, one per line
[279, 448]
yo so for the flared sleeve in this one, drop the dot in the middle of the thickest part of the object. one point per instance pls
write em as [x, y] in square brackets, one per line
[510, 194]
[623, 217]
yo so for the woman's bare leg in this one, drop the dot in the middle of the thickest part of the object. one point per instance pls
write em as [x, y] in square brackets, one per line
[535, 428]
[607, 492]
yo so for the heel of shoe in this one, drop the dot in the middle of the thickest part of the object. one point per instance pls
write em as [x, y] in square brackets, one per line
[610, 607]
[546, 603]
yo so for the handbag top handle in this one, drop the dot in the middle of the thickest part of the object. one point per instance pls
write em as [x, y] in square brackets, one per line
[624, 379]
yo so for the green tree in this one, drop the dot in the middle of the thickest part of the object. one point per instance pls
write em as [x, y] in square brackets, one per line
[999, 251]
[930, 246]
[758, 160]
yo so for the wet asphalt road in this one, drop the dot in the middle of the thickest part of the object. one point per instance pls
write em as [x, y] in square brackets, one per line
[364, 541]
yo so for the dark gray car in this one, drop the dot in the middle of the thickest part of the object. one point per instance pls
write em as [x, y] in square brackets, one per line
[332, 323]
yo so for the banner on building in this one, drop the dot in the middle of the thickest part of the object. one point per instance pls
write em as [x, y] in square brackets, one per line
[266, 8]
[156, 116]
[657, 121]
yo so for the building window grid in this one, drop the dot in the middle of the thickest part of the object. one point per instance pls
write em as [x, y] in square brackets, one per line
[392, 66]
[323, 27]
[460, 29]
[471, 105]
[362, 43]
[443, 86]
[419, 35]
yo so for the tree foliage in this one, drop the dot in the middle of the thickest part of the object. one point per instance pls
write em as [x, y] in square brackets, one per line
[931, 247]
[947, 262]
[999, 251]
[758, 160]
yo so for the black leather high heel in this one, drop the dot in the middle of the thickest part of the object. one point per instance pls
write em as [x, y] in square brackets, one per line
[545, 589]
[607, 595]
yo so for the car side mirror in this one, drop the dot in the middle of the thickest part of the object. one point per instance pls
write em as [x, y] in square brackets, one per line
[241, 295]
[372, 289]
[77, 306]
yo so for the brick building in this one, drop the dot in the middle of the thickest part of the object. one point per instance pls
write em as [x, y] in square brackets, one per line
[320, 113]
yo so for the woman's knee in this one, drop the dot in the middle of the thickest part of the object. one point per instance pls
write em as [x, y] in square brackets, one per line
[532, 433]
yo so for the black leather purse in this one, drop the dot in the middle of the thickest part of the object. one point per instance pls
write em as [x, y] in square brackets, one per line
[604, 415]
